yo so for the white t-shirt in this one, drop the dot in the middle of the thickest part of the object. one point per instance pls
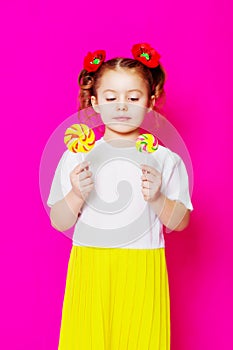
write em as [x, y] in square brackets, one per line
[115, 213]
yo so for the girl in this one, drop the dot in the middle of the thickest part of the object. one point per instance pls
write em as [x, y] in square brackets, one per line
[117, 293]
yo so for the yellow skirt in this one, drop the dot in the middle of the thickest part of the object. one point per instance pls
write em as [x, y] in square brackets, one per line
[116, 299]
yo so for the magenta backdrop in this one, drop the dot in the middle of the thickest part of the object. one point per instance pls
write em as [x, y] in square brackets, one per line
[43, 44]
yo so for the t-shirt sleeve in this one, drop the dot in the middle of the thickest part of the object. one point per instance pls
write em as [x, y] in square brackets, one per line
[176, 182]
[61, 184]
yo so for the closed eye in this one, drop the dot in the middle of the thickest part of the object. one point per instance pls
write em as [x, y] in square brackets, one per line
[110, 99]
[133, 99]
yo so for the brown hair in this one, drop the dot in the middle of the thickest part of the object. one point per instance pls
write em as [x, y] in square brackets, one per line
[89, 81]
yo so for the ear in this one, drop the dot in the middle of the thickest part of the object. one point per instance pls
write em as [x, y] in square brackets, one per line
[95, 104]
[151, 103]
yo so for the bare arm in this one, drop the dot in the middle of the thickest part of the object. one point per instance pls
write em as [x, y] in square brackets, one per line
[64, 213]
[173, 214]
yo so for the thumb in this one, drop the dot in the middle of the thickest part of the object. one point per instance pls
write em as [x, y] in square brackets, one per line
[81, 167]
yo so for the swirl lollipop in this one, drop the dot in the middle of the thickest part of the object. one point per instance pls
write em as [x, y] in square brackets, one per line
[147, 143]
[79, 138]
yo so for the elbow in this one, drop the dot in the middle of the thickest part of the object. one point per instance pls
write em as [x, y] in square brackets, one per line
[52, 221]
[56, 223]
[60, 227]
[183, 224]
[55, 226]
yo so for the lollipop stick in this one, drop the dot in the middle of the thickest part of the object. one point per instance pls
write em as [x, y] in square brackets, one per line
[146, 155]
[149, 144]
[83, 159]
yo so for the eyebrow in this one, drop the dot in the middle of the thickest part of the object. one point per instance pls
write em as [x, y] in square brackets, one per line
[127, 91]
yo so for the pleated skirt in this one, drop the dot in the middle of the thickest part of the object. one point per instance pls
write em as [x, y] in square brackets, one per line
[116, 299]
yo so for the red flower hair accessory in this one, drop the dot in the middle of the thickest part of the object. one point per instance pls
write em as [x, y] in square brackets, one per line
[146, 54]
[93, 61]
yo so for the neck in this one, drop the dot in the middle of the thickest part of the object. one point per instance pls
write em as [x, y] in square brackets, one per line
[111, 135]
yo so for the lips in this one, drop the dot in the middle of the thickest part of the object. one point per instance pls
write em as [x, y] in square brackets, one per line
[122, 119]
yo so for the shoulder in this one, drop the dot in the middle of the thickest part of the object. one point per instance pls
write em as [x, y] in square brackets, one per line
[69, 159]
[167, 156]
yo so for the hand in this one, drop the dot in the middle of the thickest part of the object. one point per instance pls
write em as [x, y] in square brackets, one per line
[81, 181]
[151, 183]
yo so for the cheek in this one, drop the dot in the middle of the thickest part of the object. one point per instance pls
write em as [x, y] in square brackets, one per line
[137, 111]
[106, 110]
[99, 99]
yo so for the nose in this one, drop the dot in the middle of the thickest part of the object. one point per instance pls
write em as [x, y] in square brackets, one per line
[122, 107]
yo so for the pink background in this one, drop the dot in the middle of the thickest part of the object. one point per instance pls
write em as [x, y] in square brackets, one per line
[43, 44]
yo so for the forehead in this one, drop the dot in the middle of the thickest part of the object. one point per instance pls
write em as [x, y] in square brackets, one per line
[122, 80]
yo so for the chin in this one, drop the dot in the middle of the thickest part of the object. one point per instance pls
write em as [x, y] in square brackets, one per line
[122, 130]
[118, 127]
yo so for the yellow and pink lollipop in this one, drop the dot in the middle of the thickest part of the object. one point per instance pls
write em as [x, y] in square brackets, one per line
[79, 138]
[147, 143]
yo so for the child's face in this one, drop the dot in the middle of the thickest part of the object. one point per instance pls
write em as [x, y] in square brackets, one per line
[122, 100]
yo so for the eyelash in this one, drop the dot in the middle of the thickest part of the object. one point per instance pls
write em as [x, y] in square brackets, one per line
[133, 99]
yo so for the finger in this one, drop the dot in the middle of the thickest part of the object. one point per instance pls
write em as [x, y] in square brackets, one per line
[86, 182]
[148, 177]
[145, 192]
[149, 169]
[146, 184]
[80, 167]
[84, 175]
[87, 190]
